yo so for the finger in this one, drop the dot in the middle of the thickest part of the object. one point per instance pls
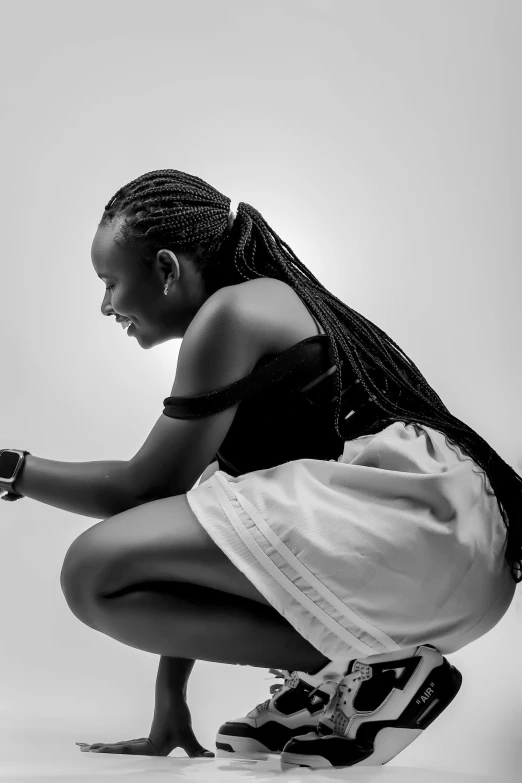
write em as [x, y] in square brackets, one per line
[132, 748]
[110, 744]
[194, 749]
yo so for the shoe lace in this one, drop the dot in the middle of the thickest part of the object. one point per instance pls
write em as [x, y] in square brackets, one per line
[290, 679]
[333, 716]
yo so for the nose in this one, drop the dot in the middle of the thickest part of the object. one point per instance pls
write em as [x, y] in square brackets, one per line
[106, 308]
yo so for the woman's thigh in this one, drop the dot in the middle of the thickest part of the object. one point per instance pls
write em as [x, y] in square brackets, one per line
[157, 541]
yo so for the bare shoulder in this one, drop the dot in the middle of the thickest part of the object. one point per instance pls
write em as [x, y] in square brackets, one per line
[249, 321]
[234, 329]
[275, 312]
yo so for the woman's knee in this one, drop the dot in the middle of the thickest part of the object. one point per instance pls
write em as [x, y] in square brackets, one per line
[78, 575]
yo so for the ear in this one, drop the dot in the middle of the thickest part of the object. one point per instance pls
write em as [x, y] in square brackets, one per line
[168, 263]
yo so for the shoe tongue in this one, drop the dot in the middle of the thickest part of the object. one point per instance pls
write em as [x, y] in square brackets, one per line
[334, 670]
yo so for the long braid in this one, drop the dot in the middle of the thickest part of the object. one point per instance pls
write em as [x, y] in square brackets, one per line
[174, 210]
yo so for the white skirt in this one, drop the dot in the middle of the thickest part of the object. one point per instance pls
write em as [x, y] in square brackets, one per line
[399, 542]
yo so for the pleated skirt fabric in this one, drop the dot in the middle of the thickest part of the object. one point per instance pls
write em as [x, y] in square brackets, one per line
[398, 542]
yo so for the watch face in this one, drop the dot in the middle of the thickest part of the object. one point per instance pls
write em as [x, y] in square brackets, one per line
[8, 463]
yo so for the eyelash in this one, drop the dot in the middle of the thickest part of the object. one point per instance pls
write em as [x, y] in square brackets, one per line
[109, 288]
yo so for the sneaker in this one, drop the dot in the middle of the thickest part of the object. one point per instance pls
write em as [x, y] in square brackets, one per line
[294, 708]
[381, 705]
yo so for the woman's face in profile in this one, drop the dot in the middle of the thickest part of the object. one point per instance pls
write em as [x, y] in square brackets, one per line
[131, 295]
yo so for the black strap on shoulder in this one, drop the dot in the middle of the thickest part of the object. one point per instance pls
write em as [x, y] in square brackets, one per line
[293, 368]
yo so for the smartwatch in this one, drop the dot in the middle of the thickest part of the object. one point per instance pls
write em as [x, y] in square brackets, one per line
[11, 461]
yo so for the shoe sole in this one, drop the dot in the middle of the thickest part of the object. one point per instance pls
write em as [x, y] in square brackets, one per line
[229, 747]
[235, 745]
[388, 742]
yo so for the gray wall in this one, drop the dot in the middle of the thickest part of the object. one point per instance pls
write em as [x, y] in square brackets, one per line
[381, 140]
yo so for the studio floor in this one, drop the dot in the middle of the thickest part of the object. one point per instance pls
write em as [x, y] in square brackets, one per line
[29, 758]
[156, 770]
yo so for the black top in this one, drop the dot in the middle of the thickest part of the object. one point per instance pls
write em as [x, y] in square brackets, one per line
[286, 410]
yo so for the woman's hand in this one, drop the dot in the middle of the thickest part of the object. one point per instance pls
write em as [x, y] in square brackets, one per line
[138, 747]
[173, 731]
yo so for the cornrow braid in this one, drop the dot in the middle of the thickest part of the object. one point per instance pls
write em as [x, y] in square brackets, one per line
[174, 210]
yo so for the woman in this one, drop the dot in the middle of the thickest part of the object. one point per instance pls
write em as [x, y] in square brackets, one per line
[347, 531]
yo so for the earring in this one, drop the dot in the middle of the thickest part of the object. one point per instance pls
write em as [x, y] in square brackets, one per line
[165, 291]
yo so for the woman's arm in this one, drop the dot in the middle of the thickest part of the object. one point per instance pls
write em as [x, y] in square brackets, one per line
[91, 489]
[208, 472]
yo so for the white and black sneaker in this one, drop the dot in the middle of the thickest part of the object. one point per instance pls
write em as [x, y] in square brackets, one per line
[379, 707]
[295, 708]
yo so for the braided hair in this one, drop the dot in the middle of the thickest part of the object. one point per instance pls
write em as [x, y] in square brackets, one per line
[177, 211]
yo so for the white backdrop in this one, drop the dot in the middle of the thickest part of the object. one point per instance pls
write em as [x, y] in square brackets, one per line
[381, 140]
